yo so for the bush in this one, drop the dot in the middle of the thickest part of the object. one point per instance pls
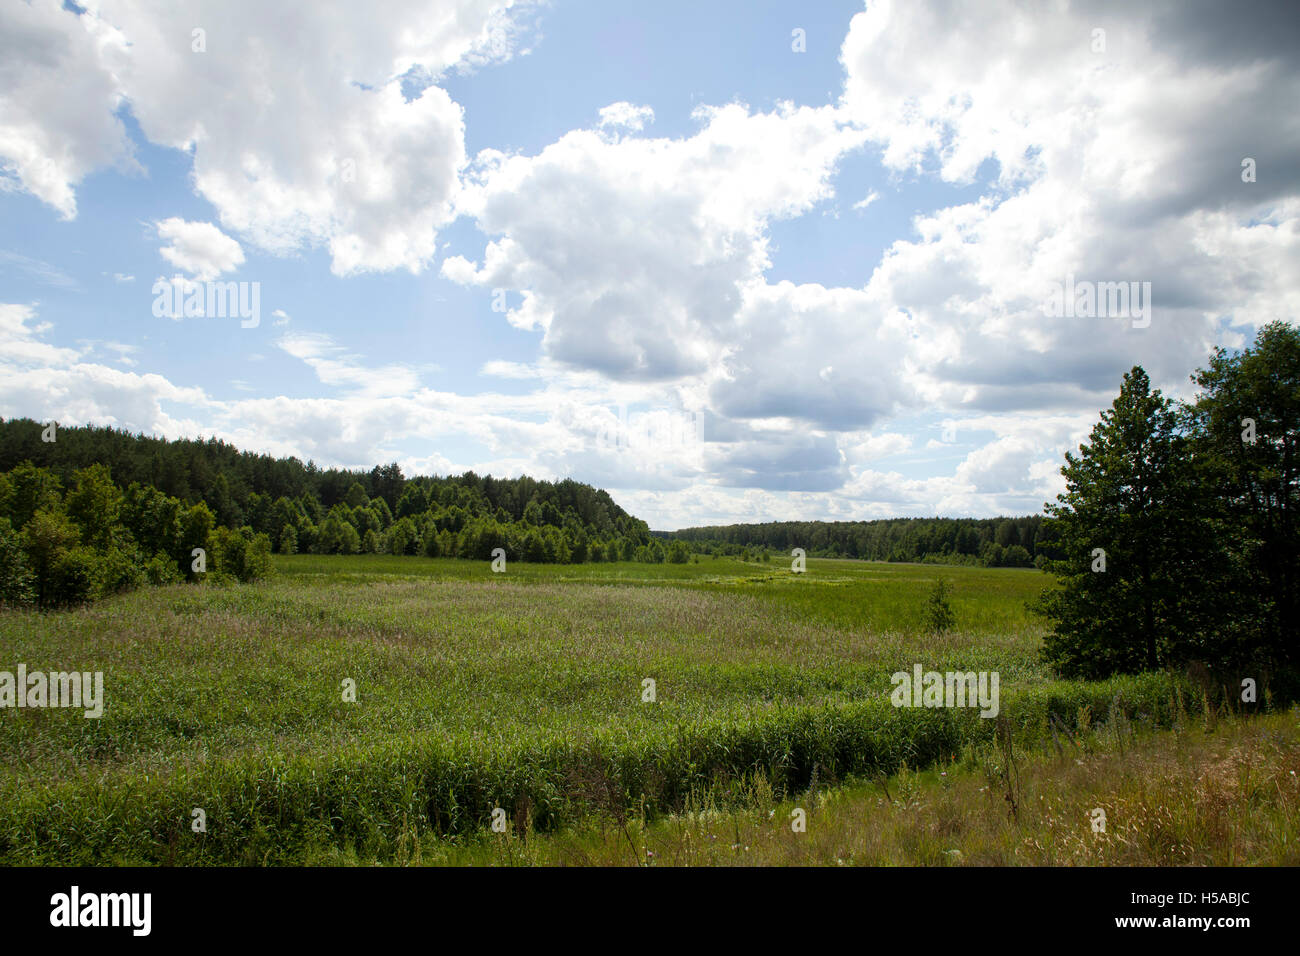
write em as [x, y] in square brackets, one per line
[241, 554]
[161, 569]
[938, 616]
[16, 579]
[118, 571]
[73, 578]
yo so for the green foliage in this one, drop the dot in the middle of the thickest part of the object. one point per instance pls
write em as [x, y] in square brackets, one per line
[356, 496]
[267, 493]
[403, 538]
[72, 577]
[1192, 510]
[29, 490]
[98, 540]
[337, 536]
[575, 523]
[938, 616]
[1123, 530]
[195, 526]
[993, 542]
[16, 579]
[48, 539]
[153, 520]
[94, 503]
[1247, 422]
[239, 554]
[161, 569]
[117, 570]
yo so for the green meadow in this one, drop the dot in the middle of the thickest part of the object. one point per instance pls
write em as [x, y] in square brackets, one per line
[476, 692]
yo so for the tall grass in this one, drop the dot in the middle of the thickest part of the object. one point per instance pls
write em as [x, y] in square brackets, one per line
[475, 691]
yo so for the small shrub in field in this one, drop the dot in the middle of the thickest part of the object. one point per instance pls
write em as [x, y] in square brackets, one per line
[938, 616]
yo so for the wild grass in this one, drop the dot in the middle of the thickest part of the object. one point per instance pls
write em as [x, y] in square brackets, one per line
[1221, 793]
[476, 690]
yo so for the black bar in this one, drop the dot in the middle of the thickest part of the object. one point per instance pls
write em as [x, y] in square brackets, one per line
[943, 906]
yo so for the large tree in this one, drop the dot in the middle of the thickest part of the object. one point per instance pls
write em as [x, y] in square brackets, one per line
[1127, 531]
[1247, 418]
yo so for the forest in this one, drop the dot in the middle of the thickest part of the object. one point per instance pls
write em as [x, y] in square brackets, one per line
[987, 542]
[90, 511]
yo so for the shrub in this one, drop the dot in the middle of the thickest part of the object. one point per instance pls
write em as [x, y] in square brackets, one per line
[241, 554]
[161, 569]
[73, 578]
[117, 571]
[938, 616]
[16, 579]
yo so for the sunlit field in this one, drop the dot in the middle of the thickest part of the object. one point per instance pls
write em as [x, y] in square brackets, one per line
[527, 690]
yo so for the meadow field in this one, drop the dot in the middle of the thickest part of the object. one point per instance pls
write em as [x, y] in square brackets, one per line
[525, 694]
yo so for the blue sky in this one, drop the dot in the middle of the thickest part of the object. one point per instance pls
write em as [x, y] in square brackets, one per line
[742, 282]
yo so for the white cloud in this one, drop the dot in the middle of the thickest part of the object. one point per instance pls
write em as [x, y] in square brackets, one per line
[633, 253]
[20, 343]
[292, 147]
[867, 200]
[334, 366]
[516, 370]
[199, 248]
[58, 101]
[1122, 166]
[36, 269]
[624, 115]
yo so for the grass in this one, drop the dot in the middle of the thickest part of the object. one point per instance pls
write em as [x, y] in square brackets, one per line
[475, 690]
[1225, 793]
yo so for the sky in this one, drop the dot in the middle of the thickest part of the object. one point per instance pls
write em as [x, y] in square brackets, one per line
[743, 261]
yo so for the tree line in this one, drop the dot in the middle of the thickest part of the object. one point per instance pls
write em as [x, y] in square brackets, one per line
[1011, 542]
[152, 492]
[226, 478]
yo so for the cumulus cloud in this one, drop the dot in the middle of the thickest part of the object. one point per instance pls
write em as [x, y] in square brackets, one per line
[1111, 164]
[1114, 164]
[633, 254]
[199, 248]
[292, 147]
[58, 101]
